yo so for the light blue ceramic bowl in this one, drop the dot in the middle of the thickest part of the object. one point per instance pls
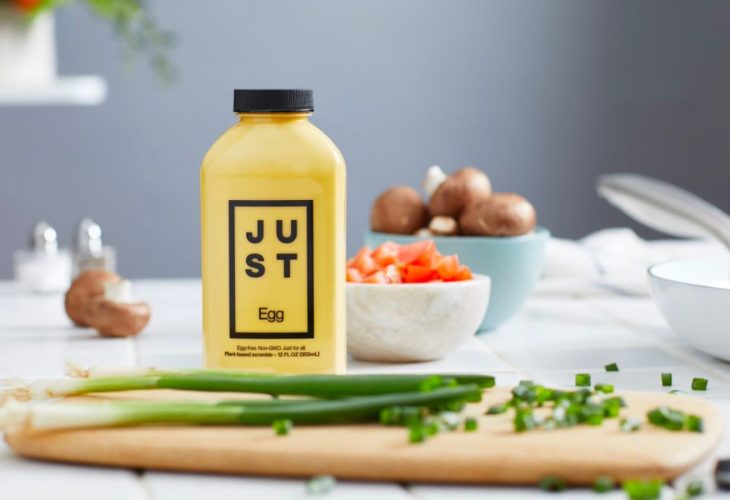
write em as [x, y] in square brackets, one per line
[514, 264]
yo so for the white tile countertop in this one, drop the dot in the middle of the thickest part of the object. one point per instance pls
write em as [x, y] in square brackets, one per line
[549, 341]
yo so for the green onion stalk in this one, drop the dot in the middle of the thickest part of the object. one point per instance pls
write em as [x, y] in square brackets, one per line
[46, 416]
[316, 386]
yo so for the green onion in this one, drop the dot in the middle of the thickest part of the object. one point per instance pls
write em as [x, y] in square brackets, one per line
[675, 420]
[318, 386]
[666, 379]
[116, 413]
[699, 384]
[630, 425]
[695, 488]
[282, 426]
[603, 484]
[583, 380]
[321, 485]
[695, 423]
[497, 409]
[643, 489]
[604, 388]
[417, 434]
[524, 420]
[470, 424]
[611, 367]
[676, 391]
[553, 484]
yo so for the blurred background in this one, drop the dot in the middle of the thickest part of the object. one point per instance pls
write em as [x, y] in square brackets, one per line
[544, 96]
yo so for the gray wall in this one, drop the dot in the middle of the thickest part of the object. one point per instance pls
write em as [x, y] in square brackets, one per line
[543, 95]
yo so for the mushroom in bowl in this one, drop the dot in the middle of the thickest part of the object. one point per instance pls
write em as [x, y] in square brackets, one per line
[410, 303]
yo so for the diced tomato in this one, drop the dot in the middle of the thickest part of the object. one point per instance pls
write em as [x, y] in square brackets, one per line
[386, 253]
[418, 262]
[419, 252]
[353, 275]
[463, 274]
[418, 274]
[447, 266]
[376, 277]
[392, 274]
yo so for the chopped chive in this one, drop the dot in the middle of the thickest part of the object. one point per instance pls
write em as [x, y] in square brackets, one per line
[675, 420]
[497, 409]
[591, 414]
[695, 423]
[604, 388]
[320, 485]
[552, 483]
[449, 420]
[611, 367]
[470, 424]
[524, 420]
[676, 391]
[695, 488]
[603, 484]
[666, 379]
[583, 380]
[417, 434]
[699, 384]
[432, 427]
[282, 426]
[643, 489]
[630, 425]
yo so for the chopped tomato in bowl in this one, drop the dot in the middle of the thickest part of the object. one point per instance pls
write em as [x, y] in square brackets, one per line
[417, 262]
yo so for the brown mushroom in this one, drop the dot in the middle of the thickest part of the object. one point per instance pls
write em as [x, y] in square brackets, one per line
[502, 214]
[118, 319]
[87, 286]
[448, 195]
[442, 225]
[398, 210]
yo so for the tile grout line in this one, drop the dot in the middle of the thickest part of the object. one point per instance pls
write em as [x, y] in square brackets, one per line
[668, 348]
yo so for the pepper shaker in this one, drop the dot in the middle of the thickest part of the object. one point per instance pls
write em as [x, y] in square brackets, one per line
[42, 267]
[89, 251]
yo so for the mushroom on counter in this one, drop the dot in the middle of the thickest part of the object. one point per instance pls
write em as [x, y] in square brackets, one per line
[501, 214]
[449, 195]
[116, 314]
[103, 301]
[399, 210]
[85, 287]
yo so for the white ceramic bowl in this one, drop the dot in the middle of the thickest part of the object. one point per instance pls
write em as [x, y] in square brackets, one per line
[413, 322]
[693, 295]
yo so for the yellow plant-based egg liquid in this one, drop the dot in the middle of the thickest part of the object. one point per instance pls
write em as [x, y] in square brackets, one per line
[273, 247]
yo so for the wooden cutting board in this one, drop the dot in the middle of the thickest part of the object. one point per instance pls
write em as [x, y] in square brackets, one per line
[492, 455]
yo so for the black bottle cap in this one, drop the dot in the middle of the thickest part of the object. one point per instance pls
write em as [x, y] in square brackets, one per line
[272, 100]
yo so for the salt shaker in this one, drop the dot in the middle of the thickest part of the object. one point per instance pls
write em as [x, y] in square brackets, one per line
[42, 267]
[89, 251]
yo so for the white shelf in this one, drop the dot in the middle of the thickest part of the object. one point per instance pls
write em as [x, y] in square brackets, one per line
[64, 91]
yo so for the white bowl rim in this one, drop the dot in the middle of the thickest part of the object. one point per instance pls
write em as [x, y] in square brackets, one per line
[652, 270]
[478, 278]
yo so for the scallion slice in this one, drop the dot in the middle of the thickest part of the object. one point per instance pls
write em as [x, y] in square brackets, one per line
[604, 388]
[699, 384]
[553, 484]
[282, 426]
[603, 484]
[583, 380]
[666, 379]
[611, 367]
[470, 424]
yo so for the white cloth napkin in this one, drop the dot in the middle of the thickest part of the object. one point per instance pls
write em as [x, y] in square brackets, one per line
[609, 261]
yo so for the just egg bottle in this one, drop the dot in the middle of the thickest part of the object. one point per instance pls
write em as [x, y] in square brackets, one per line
[273, 240]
